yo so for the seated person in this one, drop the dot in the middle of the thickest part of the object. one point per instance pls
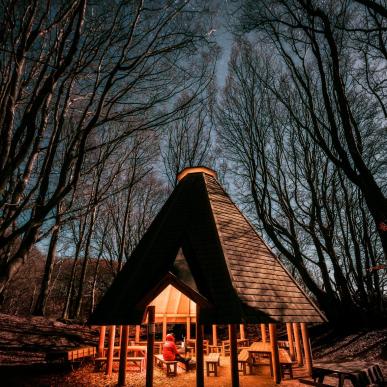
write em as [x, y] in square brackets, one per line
[170, 351]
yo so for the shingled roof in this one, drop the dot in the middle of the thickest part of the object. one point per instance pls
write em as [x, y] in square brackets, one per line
[229, 270]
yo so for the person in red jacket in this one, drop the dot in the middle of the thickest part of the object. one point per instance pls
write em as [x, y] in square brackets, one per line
[170, 351]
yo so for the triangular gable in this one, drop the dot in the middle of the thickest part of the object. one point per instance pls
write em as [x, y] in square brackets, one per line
[173, 306]
[182, 270]
[171, 279]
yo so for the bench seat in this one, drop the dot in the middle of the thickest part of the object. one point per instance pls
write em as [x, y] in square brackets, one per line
[212, 363]
[171, 366]
[286, 363]
[243, 361]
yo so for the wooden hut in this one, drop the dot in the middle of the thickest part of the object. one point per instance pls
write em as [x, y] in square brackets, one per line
[202, 245]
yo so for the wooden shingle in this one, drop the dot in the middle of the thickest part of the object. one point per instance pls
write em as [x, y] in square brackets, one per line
[233, 270]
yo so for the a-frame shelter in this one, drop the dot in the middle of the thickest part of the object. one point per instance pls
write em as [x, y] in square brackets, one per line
[202, 245]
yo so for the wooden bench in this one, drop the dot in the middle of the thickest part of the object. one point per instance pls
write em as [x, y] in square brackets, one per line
[72, 356]
[80, 353]
[212, 363]
[370, 377]
[171, 366]
[243, 361]
[375, 375]
[286, 363]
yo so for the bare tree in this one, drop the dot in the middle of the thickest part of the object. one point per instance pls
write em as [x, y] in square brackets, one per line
[333, 55]
[314, 216]
[69, 71]
[188, 142]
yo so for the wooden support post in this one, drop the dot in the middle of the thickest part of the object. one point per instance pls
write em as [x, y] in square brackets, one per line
[214, 335]
[164, 327]
[199, 351]
[242, 331]
[138, 334]
[274, 353]
[101, 342]
[307, 349]
[291, 340]
[123, 355]
[297, 340]
[263, 333]
[120, 335]
[109, 360]
[188, 333]
[233, 355]
[150, 344]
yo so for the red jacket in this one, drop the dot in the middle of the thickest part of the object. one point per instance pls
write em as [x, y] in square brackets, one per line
[169, 348]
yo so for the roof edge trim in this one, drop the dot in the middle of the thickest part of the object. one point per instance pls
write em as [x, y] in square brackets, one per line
[171, 279]
[199, 169]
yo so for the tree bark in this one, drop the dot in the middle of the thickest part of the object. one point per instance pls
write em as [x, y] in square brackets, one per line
[41, 304]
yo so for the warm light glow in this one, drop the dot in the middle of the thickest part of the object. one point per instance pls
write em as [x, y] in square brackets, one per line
[187, 171]
[174, 305]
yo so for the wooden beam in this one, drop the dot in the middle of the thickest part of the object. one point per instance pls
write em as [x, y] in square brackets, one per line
[188, 333]
[291, 340]
[172, 315]
[214, 335]
[101, 342]
[274, 353]
[109, 360]
[150, 344]
[199, 351]
[242, 331]
[233, 355]
[120, 335]
[164, 328]
[297, 340]
[138, 334]
[123, 355]
[178, 302]
[307, 348]
[263, 333]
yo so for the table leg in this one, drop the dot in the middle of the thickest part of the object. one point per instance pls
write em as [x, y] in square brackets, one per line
[320, 378]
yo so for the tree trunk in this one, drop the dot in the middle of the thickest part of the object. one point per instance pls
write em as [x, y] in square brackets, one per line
[82, 279]
[9, 269]
[70, 288]
[92, 303]
[40, 307]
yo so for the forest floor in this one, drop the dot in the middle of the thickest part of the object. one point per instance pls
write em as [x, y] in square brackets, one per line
[25, 342]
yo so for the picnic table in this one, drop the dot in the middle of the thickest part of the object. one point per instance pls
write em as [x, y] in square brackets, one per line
[259, 350]
[136, 355]
[192, 344]
[137, 349]
[341, 370]
[225, 348]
